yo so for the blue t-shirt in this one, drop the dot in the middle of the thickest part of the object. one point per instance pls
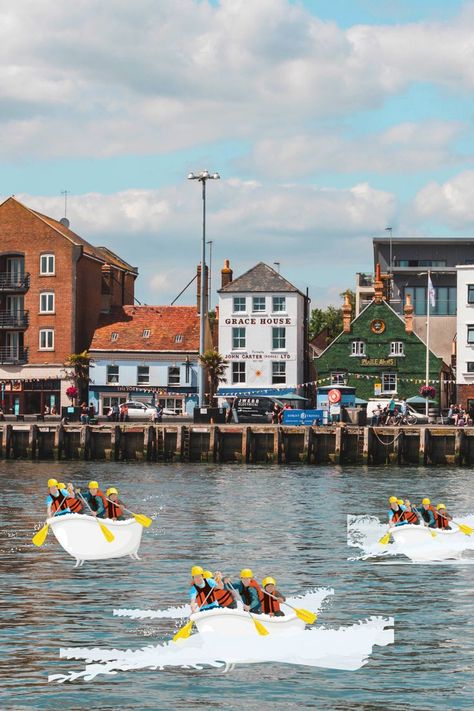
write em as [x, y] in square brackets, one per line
[193, 594]
[50, 500]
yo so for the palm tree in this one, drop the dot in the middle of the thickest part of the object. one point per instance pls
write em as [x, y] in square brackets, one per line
[215, 366]
[80, 363]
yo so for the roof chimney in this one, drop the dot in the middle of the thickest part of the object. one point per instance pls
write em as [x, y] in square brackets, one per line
[346, 314]
[226, 274]
[378, 286]
[408, 312]
[106, 288]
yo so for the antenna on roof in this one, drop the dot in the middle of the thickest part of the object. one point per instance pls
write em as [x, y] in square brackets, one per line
[277, 264]
[64, 221]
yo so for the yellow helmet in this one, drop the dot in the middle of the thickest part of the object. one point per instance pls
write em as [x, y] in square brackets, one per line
[61, 485]
[426, 502]
[52, 482]
[400, 502]
[93, 485]
[111, 490]
[268, 581]
[393, 500]
[207, 574]
[196, 570]
[440, 506]
[246, 573]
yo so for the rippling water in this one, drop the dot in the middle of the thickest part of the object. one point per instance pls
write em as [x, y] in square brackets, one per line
[287, 521]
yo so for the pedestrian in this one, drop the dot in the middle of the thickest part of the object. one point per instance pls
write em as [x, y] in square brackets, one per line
[84, 414]
[123, 413]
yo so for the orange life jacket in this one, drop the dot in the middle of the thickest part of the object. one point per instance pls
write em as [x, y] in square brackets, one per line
[408, 516]
[223, 597]
[270, 605]
[59, 502]
[74, 504]
[112, 510]
[254, 584]
[442, 521]
[203, 593]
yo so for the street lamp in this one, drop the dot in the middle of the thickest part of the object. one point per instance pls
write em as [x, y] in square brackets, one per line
[203, 176]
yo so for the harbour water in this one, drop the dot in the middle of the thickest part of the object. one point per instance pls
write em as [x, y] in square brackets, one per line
[288, 521]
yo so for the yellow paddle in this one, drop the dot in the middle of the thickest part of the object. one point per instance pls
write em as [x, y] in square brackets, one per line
[467, 530]
[139, 518]
[385, 539]
[185, 631]
[305, 615]
[261, 629]
[108, 535]
[433, 534]
[40, 537]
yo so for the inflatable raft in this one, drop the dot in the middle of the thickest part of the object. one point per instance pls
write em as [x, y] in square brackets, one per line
[239, 623]
[81, 537]
[419, 544]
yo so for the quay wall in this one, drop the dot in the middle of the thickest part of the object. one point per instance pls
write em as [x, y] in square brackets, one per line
[341, 444]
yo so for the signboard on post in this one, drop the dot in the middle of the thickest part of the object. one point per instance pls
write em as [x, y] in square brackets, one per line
[302, 417]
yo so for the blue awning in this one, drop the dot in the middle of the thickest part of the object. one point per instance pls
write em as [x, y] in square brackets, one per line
[260, 392]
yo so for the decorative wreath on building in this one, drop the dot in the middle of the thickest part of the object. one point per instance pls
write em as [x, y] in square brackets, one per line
[377, 326]
[427, 391]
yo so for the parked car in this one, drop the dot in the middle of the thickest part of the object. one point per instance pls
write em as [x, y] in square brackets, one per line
[139, 410]
[413, 417]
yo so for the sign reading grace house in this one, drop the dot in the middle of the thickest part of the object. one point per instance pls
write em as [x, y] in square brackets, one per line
[378, 361]
[259, 321]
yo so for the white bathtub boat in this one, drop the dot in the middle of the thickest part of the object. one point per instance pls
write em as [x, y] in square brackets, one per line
[418, 543]
[80, 535]
[238, 623]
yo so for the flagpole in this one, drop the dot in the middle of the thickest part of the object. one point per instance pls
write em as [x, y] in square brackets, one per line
[427, 373]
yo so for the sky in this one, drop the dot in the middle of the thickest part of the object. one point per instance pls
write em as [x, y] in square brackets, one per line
[327, 120]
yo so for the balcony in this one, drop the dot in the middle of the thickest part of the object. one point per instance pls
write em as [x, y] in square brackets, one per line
[13, 356]
[14, 282]
[14, 320]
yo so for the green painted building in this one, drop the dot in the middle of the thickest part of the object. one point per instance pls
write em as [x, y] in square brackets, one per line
[379, 354]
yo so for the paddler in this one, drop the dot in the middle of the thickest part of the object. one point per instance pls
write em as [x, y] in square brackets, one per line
[56, 499]
[201, 591]
[113, 507]
[271, 598]
[428, 513]
[443, 518]
[400, 512]
[95, 499]
[249, 591]
[222, 596]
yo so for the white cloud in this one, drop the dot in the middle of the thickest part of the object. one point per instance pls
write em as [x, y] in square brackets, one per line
[451, 202]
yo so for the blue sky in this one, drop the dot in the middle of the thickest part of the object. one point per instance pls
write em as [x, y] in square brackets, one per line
[326, 120]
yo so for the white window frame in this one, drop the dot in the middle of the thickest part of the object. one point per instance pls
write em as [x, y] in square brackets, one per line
[281, 338]
[278, 378]
[112, 379]
[240, 338]
[338, 378]
[49, 258]
[259, 300]
[282, 301]
[392, 377]
[397, 349]
[146, 333]
[48, 334]
[47, 295]
[238, 371]
[239, 310]
[179, 338]
[174, 367]
[140, 376]
[358, 347]
[114, 336]
[107, 401]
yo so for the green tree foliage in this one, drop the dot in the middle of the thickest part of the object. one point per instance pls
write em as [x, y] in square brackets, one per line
[329, 318]
[78, 365]
[215, 366]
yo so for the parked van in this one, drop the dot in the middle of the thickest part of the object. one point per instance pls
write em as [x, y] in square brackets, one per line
[255, 408]
[413, 417]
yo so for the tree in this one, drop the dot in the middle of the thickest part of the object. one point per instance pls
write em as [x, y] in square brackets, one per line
[215, 366]
[79, 364]
[329, 318]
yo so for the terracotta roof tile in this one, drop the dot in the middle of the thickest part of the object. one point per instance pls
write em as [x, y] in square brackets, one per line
[165, 323]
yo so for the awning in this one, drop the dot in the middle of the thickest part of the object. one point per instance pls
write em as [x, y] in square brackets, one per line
[418, 400]
[253, 392]
[360, 401]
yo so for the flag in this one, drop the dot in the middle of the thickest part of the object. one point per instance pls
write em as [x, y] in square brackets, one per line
[431, 292]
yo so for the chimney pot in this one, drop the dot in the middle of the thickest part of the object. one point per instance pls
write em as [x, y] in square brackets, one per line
[408, 313]
[346, 314]
[226, 274]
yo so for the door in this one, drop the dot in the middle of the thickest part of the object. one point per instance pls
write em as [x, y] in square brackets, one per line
[16, 269]
[15, 309]
[12, 341]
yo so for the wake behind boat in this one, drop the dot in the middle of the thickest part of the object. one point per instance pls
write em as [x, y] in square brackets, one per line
[425, 544]
[239, 623]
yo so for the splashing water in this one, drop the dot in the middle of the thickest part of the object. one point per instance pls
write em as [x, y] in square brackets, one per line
[364, 532]
[345, 648]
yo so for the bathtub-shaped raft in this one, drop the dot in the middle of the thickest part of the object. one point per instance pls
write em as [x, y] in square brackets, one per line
[419, 543]
[81, 536]
[237, 623]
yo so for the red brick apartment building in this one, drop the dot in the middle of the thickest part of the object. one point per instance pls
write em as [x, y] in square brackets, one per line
[53, 287]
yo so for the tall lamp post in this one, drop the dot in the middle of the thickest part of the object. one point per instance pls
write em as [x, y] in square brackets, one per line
[203, 176]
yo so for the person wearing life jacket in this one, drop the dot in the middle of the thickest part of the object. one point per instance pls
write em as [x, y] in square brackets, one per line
[249, 591]
[74, 505]
[271, 598]
[395, 512]
[201, 592]
[222, 596]
[56, 499]
[428, 513]
[409, 515]
[113, 507]
[95, 499]
[443, 518]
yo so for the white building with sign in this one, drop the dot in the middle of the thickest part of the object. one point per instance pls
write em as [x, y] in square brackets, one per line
[262, 332]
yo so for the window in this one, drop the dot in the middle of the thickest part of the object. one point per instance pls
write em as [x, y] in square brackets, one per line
[389, 382]
[47, 302]
[114, 336]
[146, 333]
[259, 303]
[47, 264]
[143, 375]
[358, 348]
[238, 338]
[112, 374]
[278, 338]
[445, 297]
[338, 378]
[470, 293]
[174, 375]
[240, 304]
[178, 338]
[46, 339]
[419, 263]
[108, 402]
[397, 348]
[470, 366]
[238, 372]
[279, 303]
[278, 372]
[470, 334]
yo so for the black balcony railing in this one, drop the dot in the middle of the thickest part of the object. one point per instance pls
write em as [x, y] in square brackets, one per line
[14, 319]
[14, 282]
[11, 355]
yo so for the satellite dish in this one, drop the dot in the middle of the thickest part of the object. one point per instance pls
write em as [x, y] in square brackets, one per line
[64, 221]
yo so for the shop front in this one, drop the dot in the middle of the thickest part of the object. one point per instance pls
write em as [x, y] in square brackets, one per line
[31, 397]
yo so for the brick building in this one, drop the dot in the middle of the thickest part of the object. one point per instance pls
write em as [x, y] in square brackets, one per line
[53, 286]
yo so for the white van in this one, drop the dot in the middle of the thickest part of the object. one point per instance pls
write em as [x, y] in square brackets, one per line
[413, 417]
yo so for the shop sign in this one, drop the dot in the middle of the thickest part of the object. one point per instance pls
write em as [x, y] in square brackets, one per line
[259, 356]
[378, 361]
[259, 321]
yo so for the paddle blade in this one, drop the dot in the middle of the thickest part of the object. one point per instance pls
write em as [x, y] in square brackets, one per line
[465, 529]
[184, 632]
[385, 539]
[142, 520]
[433, 534]
[40, 537]
[260, 628]
[307, 616]
[108, 535]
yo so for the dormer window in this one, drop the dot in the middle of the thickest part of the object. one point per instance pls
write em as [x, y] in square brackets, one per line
[114, 336]
[178, 338]
[146, 333]
[358, 348]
